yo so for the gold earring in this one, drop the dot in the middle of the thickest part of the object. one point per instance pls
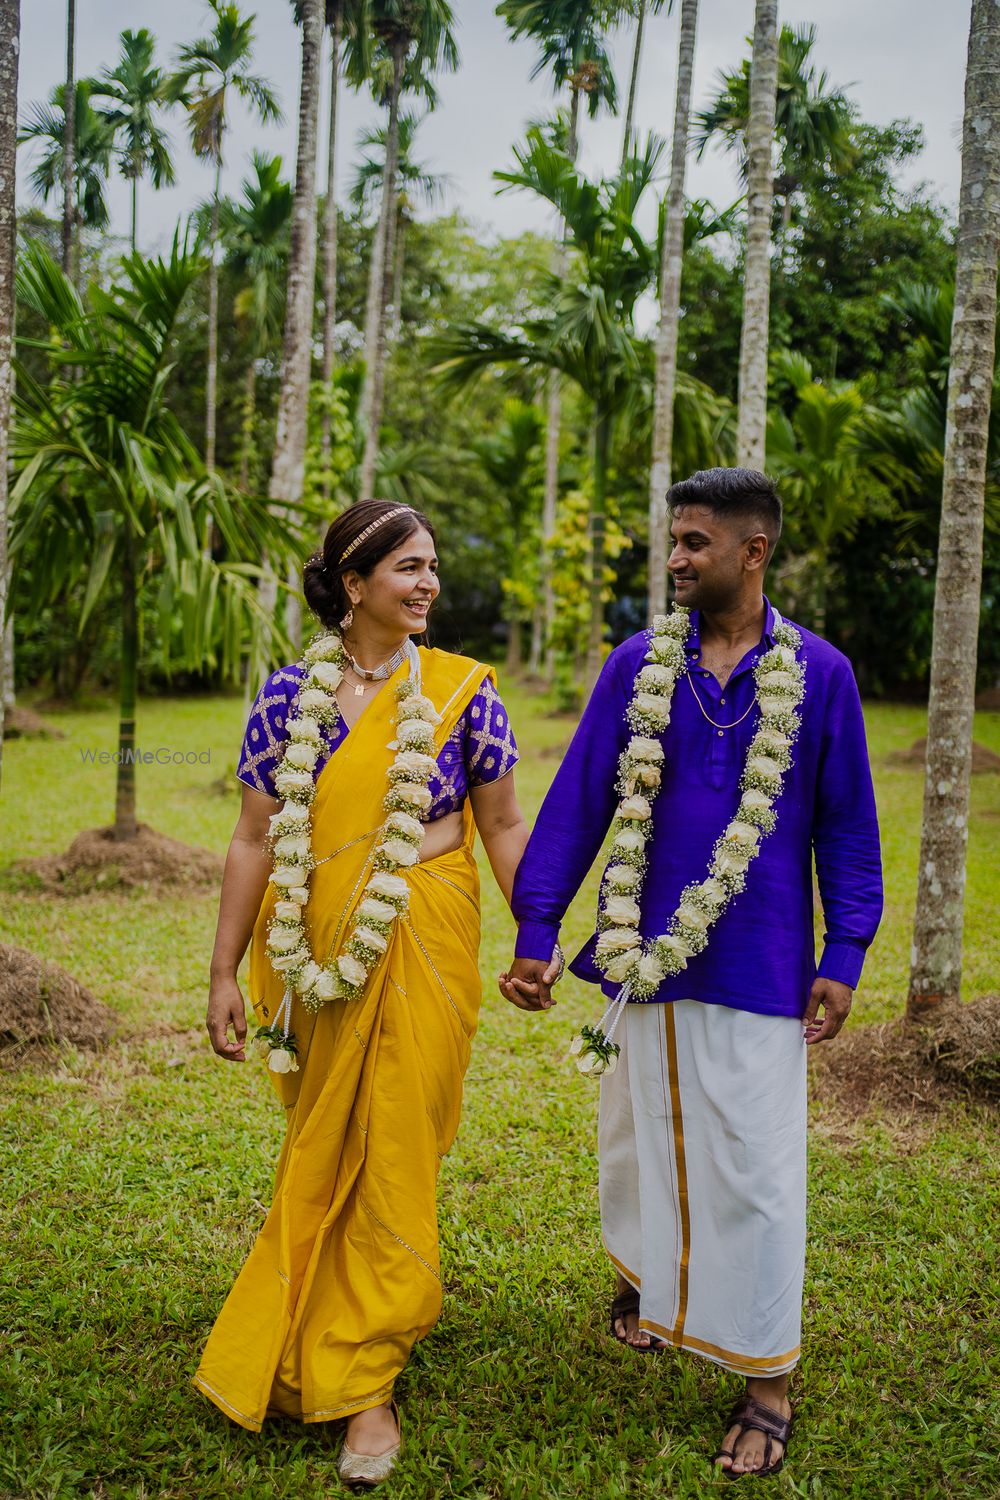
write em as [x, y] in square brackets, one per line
[348, 619]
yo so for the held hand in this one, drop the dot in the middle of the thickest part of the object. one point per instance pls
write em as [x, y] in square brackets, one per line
[225, 1010]
[528, 984]
[835, 998]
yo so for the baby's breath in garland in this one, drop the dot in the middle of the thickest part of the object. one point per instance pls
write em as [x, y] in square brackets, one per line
[621, 954]
[397, 844]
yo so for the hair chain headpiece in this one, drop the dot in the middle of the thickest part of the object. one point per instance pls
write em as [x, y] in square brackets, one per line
[400, 510]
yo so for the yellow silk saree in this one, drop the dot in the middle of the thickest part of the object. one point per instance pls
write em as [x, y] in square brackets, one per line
[344, 1276]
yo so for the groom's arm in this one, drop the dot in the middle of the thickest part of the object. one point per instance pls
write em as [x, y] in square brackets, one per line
[574, 818]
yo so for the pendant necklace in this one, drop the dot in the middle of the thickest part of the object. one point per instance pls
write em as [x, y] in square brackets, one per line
[377, 674]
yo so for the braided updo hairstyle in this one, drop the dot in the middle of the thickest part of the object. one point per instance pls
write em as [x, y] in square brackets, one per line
[323, 575]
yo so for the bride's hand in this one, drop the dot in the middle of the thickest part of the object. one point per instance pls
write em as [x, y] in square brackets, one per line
[225, 1009]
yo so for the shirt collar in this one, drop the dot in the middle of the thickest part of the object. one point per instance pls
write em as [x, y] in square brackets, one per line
[694, 639]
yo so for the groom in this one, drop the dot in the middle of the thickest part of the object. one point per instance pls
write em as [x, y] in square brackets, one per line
[702, 1132]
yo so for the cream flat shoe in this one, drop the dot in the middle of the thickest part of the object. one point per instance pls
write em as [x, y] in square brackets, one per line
[369, 1469]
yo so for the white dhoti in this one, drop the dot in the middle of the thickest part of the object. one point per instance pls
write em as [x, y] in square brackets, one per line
[702, 1145]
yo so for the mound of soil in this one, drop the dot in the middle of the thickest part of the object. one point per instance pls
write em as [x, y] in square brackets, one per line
[911, 1067]
[24, 724]
[42, 1005]
[983, 760]
[96, 861]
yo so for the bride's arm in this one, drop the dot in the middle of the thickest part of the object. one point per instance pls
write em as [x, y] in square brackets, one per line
[501, 826]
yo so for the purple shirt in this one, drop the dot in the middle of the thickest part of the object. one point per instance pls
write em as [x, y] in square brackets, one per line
[760, 955]
[481, 747]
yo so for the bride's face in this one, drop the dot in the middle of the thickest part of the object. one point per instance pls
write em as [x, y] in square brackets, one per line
[397, 595]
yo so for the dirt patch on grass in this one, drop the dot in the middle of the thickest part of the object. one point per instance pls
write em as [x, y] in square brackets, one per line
[41, 1007]
[24, 724]
[983, 760]
[910, 1069]
[96, 860]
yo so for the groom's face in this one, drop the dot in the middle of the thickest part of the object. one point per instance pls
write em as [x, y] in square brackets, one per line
[708, 563]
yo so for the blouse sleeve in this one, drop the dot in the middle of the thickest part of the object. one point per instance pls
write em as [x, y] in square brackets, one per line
[266, 732]
[488, 741]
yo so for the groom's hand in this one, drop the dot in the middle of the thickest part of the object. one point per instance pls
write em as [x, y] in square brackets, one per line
[528, 983]
[835, 999]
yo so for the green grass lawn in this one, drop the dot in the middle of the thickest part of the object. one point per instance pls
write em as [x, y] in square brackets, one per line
[135, 1181]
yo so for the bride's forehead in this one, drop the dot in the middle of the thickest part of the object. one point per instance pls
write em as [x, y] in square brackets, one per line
[419, 545]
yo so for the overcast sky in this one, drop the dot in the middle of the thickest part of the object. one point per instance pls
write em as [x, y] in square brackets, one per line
[900, 57]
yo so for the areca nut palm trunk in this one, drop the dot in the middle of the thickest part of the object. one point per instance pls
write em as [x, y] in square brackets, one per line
[126, 826]
[671, 262]
[330, 240]
[633, 81]
[752, 399]
[936, 964]
[375, 340]
[69, 147]
[288, 464]
[10, 39]
[598, 521]
[212, 367]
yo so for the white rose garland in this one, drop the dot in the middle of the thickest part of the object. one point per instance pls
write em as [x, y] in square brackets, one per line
[621, 954]
[397, 845]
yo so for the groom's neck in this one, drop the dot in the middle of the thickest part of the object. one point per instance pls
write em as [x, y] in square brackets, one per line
[736, 624]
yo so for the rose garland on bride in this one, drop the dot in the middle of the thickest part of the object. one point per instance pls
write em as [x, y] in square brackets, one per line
[621, 954]
[397, 844]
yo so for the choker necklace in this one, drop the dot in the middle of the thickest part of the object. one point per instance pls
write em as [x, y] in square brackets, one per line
[377, 674]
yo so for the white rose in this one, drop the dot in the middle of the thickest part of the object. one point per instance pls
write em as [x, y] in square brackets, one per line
[287, 911]
[418, 764]
[313, 700]
[283, 939]
[714, 892]
[743, 833]
[614, 939]
[650, 971]
[591, 1065]
[629, 839]
[292, 847]
[327, 987]
[784, 656]
[693, 917]
[370, 910]
[280, 1060]
[371, 939]
[766, 740]
[260, 1046]
[309, 976]
[414, 796]
[412, 733]
[290, 782]
[394, 887]
[641, 747]
[763, 765]
[653, 677]
[623, 877]
[297, 893]
[777, 682]
[301, 755]
[326, 675]
[401, 822]
[756, 799]
[648, 775]
[351, 969]
[622, 911]
[289, 875]
[636, 808]
[305, 728]
[653, 707]
[416, 706]
[399, 852]
[324, 648]
[620, 967]
[733, 861]
[677, 943]
[296, 813]
[283, 961]
[770, 703]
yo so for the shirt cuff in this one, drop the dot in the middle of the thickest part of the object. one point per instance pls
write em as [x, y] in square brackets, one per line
[536, 940]
[843, 963]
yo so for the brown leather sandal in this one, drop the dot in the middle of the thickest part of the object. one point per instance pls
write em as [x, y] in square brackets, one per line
[622, 1307]
[752, 1416]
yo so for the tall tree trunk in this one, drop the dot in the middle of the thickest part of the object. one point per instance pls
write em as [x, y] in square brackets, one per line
[936, 971]
[288, 466]
[374, 390]
[633, 82]
[249, 415]
[213, 324]
[135, 211]
[553, 422]
[398, 261]
[69, 147]
[752, 413]
[125, 823]
[671, 263]
[598, 514]
[330, 244]
[10, 42]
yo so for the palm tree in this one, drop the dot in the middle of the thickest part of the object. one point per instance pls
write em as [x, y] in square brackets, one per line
[255, 233]
[111, 486]
[751, 417]
[10, 37]
[136, 86]
[207, 72]
[639, 8]
[509, 457]
[587, 333]
[936, 969]
[812, 120]
[570, 35]
[671, 262]
[69, 236]
[91, 158]
[415, 35]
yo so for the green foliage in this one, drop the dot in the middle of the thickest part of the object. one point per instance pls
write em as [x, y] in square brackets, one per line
[329, 476]
[92, 147]
[136, 88]
[572, 554]
[209, 68]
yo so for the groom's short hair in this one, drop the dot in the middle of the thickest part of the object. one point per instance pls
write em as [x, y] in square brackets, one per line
[742, 494]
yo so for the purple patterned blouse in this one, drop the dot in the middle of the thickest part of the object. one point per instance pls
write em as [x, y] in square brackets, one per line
[481, 748]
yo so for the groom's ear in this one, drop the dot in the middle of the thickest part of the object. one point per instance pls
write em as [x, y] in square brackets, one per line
[756, 550]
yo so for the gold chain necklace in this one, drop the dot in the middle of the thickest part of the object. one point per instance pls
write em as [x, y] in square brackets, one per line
[720, 727]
